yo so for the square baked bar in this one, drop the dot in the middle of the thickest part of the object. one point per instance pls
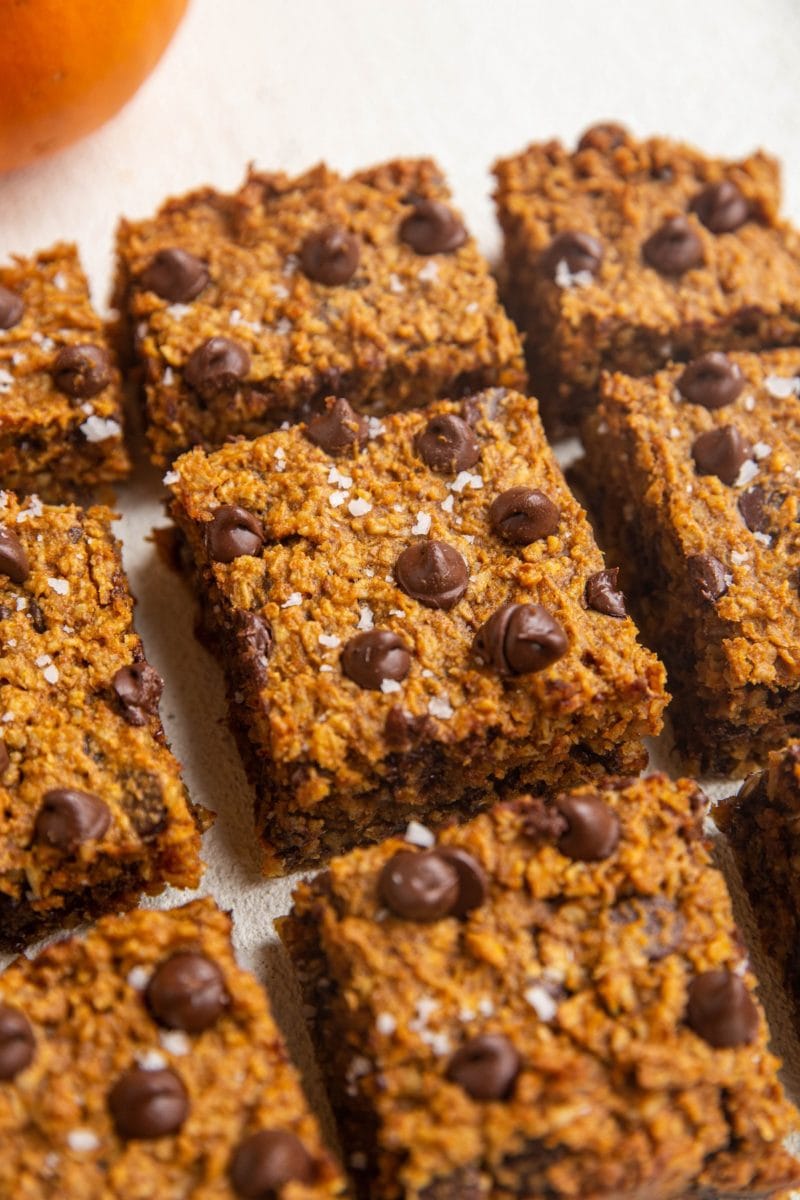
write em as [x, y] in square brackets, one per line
[693, 475]
[247, 310]
[411, 614]
[552, 1001]
[94, 809]
[624, 255]
[141, 1062]
[61, 423]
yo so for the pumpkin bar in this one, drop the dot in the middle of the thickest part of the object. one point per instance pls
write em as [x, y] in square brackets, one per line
[94, 808]
[411, 614]
[243, 311]
[141, 1062]
[61, 423]
[693, 475]
[550, 1001]
[624, 255]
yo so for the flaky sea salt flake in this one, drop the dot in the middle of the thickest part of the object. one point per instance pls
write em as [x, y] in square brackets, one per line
[293, 601]
[419, 835]
[423, 523]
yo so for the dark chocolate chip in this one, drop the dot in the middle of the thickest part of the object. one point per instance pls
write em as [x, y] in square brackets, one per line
[752, 507]
[473, 886]
[187, 992]
[254, 641]
[330, 255]
[218, 364]
[486, 1067]
[721, 452]
[148, 1104]
[721, 207]
[138, 689]
[580, 252]
[522, 515]
[434, 573]
[11, 308]
[81, 371]
[432, 228]
[712, 380]
[403, 729]
[604, 136]
[5, 757]
[593, 828]
[754, 789]
[67, 818]
[337, 428]
[13, 559]
[602, 594]
[419, 886]
[721, 1010]
[542, 821]
[233, 532]
[447, 444]
[519, 639]
[371, 657]
[263, 1163]
[708, 576]
[17, 1043]
[674, 247]
[175, 275]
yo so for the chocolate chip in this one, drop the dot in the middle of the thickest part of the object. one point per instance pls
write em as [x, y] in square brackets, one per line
[473, 886]
[265, 1161]
[254, 641]
[13, 559]
[403, 729]
[138, 689]
[721, 207]
[432, 228]
[755, 788]
[330, 255]
[218, 364]
[712, 380]
[187, 992]
[233, 532]
[721, 1010]
[17, 1043]
[447, 444]
[522, 515]
[175, 275]
[419, 886]
[337, 428]
[434, 573]
[602, 594]
[486, 1067]
[752, 507]
[707, 576]
[148, 1104]
[81, 371]
[541, 821]
[371, 657]
[67, 818]
[519, 639]
[580, 252]
[11, 308]
[5, 757]
[674, 247]
[593, 828]
[604, 136]
[721, 452]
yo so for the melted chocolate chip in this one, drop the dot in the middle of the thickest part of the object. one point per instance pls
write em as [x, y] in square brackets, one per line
[447, 444]
[187, 992]
[263, 1163]
[218, 364]
[721, 452]
[371, 657]
[67, 818]
[13, 559]
[486, 1067]
[674, 247]
[17, 1043]
[522, 515]
[175, 275]
[721, 207]
[707, 576]
[233, 532]
[593, 828]
[473, 886]
[337, 428]
[432, 228]
[148, 1104]
[330, 255]
[712, 380]
[604, 136]
[580, 252]
[11, 308]
[434, 573]
[752, 507]
[403, 729]
[602, 594]
[542, 821]
[419, 886]
[519, 639]
[254, 641]
[720, 1009]
[81, 371]
[138, 689]
[5, 757]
